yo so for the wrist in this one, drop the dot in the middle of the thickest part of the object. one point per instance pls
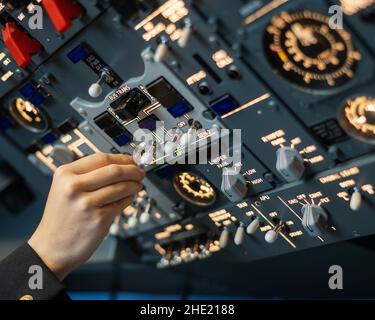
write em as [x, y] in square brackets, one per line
[43, 250]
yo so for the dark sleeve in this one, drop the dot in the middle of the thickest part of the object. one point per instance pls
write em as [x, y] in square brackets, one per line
[15, 277]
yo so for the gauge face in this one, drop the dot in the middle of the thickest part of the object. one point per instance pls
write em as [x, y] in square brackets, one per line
[194, 189]
[28, 116]
[357, 118]
[303, 49]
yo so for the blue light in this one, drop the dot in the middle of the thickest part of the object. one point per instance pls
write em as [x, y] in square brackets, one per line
[224, 105]
[36, 99]
[5, 123]
[149, 123]
[27, 90]
[77, 54]
[48, 138]
[179, 109]
[122, 139]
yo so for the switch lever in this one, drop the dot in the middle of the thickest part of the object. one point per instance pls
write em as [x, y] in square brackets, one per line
[96, 89]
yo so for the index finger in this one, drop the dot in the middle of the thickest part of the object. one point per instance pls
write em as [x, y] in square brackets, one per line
[99, 160]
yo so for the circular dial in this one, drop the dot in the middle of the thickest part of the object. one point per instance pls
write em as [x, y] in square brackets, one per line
[28, 116]
[357, 118]
[306, 51]
[194, 189]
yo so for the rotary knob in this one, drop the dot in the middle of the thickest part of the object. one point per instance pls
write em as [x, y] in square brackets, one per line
[233, 185]
[315, 220]
[290, 164]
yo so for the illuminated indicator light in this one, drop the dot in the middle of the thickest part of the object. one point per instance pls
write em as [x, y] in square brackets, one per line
[189, 227]
[263, 11]
[227, 222]
[148, 26]
[173, 228]
[283, 56]
[222, 59]
[249, 213]
[242, 205]
[350, 7]
[6, 62]
[160, 249]
[162, 235]
[21, 16]
[295, 234]
[265, 228]
[176, 35]
[247, 105]
[278, 142]
[196, 77]
[347, 184]
[316, 159]
[66, 138]
[273, 136]
[170, 28]
[368, 188]
[296, 141]
[6, 76]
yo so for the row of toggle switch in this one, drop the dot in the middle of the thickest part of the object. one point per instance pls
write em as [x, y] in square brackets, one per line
[163, 46]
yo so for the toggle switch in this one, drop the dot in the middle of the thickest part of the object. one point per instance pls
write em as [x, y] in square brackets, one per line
[224, 238]
[253, 226]
[20, 45]
[132, 221]
[62, 13]
[188, 138]
[186, 33]
[96, 89]
[356, 200]
[233, 185]
[162, 49]
[240, 234]
[145, 215]
[273, 234]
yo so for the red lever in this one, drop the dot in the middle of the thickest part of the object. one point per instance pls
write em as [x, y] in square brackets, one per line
[62, 12]
[20, 45]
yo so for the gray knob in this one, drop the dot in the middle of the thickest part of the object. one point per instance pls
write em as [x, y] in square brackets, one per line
[233, 185]
[315, 220]
[290, 164]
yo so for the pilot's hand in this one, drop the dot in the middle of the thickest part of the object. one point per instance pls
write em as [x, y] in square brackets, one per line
[85, 197]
